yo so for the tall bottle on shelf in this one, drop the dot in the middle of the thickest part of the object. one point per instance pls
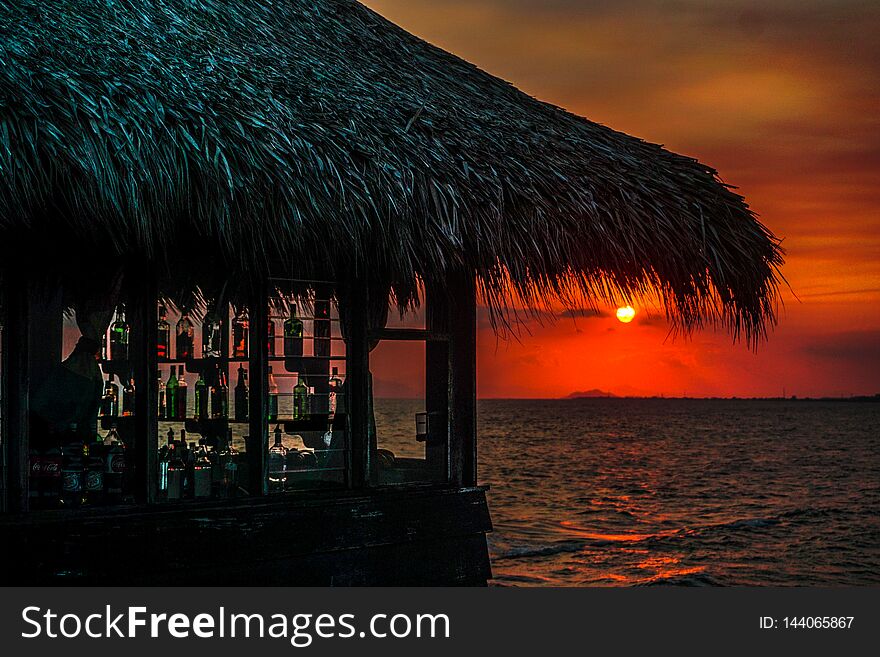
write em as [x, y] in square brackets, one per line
[181, 412]
[202, 471]
[72, 484]
[185, 338]
[335, 390]
[176, 470]
[227, 457]
[163, 338]
[172, 394]
[272, 414]
[240, 327]
[110, 399]
[277, 465]
[293, 334]
[115, 468]
[212, 334]
[128, 398]
[119, 331]
[241, 396]
[220, 396]
[166, 455]
[161, 400]
[201, 391]
[300, 399]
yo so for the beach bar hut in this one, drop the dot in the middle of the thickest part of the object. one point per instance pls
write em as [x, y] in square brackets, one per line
[206, 211]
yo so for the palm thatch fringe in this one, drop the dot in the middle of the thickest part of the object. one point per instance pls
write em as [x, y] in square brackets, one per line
[315, 137]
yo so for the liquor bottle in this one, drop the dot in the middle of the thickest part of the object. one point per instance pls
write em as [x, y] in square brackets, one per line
[227, 457]
[240, 334]
[71, 470]
[114, 469]
[176, 471]
[119, 336]
[273, 398]
[51, 477]
[172, 394]
[201, 398]
[181, 395]
[293, 334]
[300, 399]
[202, 472]
[322, 329]
[94, 475]
[112, 436]
[186, 335]
[110, 399]
[270, 337]
[220, 397]
[212, 334]
[128, 398]
[335, 389]
[166, 455]
[277, 465]
[162, 396]
[241, 396]
[188, 482]
[163, 340]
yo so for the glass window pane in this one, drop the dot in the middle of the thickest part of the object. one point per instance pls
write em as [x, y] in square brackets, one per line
[75, 458]
[307, 423]
[411, 440]
[202, 403]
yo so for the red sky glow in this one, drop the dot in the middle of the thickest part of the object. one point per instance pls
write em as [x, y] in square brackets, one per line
[782, 98]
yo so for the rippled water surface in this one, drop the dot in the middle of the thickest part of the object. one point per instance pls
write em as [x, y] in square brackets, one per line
[619, 492]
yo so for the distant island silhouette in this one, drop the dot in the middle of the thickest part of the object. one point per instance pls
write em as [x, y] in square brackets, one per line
[589, 394]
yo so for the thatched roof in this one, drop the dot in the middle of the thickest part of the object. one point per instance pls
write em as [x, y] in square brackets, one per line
[317, 134]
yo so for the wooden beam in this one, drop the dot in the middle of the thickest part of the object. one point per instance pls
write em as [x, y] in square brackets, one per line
[461, 290]
[142, 305]
[358, 387]
[437, 384]
[258, 410]
[16, 381]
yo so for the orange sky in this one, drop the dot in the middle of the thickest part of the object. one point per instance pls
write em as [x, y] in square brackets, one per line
[783, 98]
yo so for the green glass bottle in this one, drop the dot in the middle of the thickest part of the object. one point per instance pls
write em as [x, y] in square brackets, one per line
[171, 395]
[300, 399]
[119, 336]
[201, 398]
[293, 334]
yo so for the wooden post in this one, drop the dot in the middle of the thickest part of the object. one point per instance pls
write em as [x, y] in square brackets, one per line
[142, 302]
[358, 387]
[437, 384]
[463, 365]
[258, 409]
[16, 382]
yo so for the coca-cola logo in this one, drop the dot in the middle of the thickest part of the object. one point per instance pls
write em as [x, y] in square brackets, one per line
[51, 468]
[36, 467]
[117, 464]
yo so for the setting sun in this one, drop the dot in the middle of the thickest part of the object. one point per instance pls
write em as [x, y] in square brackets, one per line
[626, 314]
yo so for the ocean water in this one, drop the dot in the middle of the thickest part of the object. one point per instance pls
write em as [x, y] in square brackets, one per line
[628, 492]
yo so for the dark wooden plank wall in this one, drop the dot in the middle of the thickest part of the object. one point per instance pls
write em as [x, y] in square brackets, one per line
[393, 536]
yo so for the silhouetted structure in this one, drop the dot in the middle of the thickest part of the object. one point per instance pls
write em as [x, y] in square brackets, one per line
[224, 153]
